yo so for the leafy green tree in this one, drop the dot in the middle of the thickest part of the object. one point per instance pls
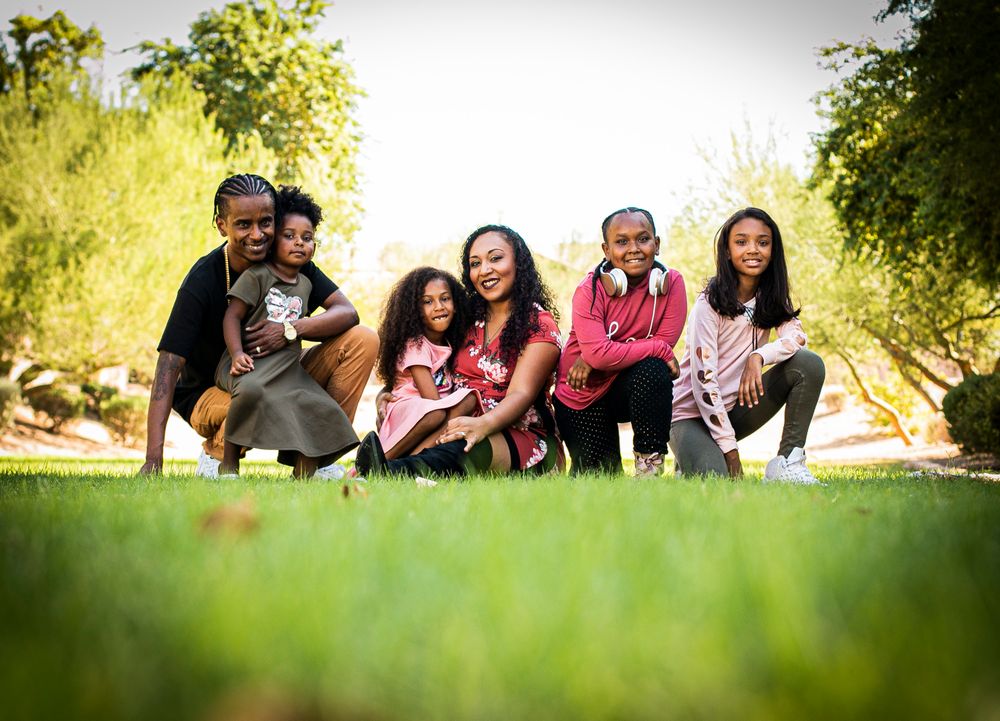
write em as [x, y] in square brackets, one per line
[930, 326]
[262, 71]
[43, 47]
[909, 155]
[105, 209]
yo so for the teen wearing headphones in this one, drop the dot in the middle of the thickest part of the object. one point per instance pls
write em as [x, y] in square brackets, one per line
[618, 365]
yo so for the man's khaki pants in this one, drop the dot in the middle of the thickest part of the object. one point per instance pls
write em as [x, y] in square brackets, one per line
[340, 365]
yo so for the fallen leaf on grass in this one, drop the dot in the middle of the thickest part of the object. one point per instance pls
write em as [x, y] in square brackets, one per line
[359, 490]
[234, 519]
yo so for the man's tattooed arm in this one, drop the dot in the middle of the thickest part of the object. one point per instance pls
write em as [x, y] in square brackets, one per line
[161, 397]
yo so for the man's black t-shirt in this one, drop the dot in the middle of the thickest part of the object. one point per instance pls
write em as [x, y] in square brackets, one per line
[194, 329]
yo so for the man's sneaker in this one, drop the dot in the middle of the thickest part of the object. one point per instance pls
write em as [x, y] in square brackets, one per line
[790, 470]
[648, 464]
[208, 467]
[370, 459]
[332, 472]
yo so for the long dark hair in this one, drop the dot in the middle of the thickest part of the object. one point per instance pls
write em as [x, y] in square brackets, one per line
[528, 294]
[403, 322]
[774, 302]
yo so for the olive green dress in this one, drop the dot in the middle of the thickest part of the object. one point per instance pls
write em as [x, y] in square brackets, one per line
[278, 405]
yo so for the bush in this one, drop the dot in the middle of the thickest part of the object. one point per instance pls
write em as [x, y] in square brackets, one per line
[58, 403]
[125, 416]
[972, 409]
[10, 396]
[97, 395]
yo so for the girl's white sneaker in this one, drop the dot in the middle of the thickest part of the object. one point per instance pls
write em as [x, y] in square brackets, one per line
[790, 470]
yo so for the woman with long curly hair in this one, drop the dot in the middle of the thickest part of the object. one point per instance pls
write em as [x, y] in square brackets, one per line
[508, 356]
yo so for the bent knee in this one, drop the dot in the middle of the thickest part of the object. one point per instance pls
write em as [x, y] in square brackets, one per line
[655, 369]
[809, 363]
[363, 340]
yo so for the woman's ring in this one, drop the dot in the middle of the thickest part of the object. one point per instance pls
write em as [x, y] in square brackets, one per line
[258, 350]
[462, 433]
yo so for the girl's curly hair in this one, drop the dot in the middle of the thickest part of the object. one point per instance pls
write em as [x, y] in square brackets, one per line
[529, 293]
[403, 322]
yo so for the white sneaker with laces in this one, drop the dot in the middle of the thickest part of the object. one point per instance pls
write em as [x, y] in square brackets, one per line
[208, 467]
[332, 472]
[790, 470]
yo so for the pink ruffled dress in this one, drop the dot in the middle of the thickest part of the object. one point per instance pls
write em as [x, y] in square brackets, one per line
[404, 413]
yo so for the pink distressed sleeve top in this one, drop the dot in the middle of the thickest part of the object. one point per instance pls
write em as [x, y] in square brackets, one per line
[612, 334]
[716, 352]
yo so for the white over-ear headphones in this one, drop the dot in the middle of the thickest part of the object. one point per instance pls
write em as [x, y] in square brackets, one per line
[615, 282]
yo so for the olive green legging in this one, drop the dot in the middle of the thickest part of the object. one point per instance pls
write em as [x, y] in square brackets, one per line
[794, 383]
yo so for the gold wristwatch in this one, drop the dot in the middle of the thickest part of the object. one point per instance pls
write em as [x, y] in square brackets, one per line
[290, 333]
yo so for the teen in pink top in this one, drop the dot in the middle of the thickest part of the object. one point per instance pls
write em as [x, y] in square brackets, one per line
[617, 365]
[723, 394]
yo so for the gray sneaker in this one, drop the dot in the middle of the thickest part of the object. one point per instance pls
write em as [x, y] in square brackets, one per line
[790, 470]
[208, 467]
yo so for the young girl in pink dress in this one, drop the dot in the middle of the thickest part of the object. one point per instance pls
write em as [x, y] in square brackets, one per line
[424, 318]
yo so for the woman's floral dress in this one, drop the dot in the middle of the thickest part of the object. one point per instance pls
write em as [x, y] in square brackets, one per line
[532, 440]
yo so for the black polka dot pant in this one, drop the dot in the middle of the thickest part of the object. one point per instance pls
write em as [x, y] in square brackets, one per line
[641, 395]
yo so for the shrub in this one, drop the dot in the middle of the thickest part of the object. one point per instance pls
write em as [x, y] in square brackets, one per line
[972, 409]
[58, 403]
[125, 416]
[96, 395]
[10, 396]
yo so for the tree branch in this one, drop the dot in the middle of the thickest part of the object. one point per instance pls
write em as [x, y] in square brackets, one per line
[884, 406]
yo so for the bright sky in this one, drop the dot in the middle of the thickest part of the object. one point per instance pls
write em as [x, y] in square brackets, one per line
[546, 115]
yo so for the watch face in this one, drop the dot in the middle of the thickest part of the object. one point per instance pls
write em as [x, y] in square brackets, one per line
[290, 333]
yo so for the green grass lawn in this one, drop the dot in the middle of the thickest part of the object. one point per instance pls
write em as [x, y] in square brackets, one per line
[877, 596]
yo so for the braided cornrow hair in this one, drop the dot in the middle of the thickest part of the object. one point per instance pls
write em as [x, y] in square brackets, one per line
[241, 185]
[604, 236]
[528, 294]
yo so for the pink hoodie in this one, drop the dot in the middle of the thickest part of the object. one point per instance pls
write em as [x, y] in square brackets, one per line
[616, 334]
[710, 382]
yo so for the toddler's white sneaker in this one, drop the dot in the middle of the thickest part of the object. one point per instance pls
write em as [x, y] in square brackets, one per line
[208, 467]
[790, 470]
[332, 472]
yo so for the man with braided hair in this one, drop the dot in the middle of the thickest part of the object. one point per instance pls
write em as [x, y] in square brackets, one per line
[192, 342]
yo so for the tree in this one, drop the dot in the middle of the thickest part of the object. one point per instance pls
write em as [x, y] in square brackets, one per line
[937, 327]
[103, 211]
[909, 154]
[44, 47]
[262, 72]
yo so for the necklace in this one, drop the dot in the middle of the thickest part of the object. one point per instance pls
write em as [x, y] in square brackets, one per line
[225, 254]
[489, 339]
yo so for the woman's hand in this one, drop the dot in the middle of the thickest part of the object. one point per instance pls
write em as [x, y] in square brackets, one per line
[733, 464]
[751, 385]
[577, 376]
[242, 363]
[468, 428]
[264, 338]
[382, 401]
[675, 368]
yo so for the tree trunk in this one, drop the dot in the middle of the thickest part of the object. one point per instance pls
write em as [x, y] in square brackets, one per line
[882, 405]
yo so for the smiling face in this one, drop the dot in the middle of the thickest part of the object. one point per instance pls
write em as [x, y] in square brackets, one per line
[749, 249]
[248, 223]
[437, 309]
[631, 245]
[296, 242]
[492, 267]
